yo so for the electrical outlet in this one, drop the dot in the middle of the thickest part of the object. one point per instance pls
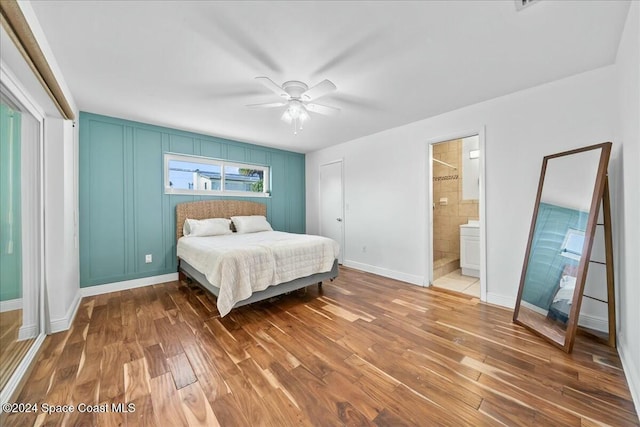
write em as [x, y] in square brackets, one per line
[148, 259]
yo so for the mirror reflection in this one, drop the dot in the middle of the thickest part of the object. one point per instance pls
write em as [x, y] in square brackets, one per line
[19, 309]
[557, 243]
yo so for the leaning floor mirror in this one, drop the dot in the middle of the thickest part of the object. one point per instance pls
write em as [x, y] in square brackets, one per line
[573, 187]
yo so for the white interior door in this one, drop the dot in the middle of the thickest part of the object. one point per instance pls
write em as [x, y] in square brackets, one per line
[332, 204]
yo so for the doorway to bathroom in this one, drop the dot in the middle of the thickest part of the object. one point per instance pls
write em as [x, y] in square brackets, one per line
[457, 259]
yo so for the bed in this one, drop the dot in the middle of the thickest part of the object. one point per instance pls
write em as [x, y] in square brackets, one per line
[242, 268]
[560, 307]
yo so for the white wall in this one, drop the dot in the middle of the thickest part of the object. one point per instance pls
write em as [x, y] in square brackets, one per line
[62, 275]
[386, 188]
[627, 197]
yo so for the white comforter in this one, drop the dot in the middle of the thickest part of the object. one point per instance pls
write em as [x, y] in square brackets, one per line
[240, 264]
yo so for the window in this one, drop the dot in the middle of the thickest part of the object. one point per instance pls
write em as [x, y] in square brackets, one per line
[206, 176]
[572, 245]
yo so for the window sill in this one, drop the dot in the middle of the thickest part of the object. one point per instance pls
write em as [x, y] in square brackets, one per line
[171, 191]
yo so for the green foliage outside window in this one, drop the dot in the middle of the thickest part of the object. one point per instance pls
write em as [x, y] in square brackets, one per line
[258, 186]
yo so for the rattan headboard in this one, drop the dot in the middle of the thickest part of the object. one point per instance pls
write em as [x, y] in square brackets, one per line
[215, 209]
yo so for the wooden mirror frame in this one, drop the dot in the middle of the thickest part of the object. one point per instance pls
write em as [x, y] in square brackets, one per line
[541, 328]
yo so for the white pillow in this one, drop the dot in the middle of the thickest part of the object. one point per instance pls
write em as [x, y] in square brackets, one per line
[251, 224]
[206, 227]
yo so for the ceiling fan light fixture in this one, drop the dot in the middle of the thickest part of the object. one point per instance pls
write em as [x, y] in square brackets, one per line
[298, 95]
[286, 117]
[295, 108]
[304, 115]
[295, 114]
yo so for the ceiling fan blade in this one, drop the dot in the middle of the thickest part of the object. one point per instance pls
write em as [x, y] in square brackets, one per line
[322, 109]
[268, 105]
[270, 84]
[321, 89]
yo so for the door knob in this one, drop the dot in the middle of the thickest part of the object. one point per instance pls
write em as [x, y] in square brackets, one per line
[339, 219]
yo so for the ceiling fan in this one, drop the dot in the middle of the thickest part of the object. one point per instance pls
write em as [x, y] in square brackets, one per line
[298, 98]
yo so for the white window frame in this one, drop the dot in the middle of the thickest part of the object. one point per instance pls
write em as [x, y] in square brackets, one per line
[266, 192]
[571, 234]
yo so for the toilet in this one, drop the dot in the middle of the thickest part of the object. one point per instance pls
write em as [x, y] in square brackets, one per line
[470, 248]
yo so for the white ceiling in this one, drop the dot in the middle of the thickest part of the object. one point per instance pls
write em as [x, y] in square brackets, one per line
[191, 64]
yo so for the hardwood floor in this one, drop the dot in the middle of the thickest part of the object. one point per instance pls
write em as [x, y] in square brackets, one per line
[363, 350]
[11, 350]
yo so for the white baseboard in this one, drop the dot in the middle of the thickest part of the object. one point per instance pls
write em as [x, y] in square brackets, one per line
[27, 332]
[10, 305]
[392, 274]
[501, 300]
[127, 284]
[63, 324]
[534, 308]
[594, 322]
[631, 372]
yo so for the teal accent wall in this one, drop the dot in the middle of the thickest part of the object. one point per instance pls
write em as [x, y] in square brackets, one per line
[545, 262]
[10, 212]
[124, 213]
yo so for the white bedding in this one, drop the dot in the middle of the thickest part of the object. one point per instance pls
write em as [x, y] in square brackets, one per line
[240, 264]
[567, 287]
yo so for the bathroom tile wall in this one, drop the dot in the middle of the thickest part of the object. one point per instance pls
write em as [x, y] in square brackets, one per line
[447, 183]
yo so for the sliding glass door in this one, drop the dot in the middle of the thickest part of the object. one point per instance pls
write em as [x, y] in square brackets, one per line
[20, 236]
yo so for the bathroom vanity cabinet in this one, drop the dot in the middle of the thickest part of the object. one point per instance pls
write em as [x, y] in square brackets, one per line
[470, 249]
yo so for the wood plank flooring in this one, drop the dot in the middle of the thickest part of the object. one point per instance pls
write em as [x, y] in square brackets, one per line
[362, 351]
[12, 351]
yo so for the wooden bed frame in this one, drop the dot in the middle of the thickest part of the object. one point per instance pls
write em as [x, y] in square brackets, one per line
[226, 209]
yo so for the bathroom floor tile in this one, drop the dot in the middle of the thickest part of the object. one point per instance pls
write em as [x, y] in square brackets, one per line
[457, 275]
[450, 284]
[473, 289]
[457, 282]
